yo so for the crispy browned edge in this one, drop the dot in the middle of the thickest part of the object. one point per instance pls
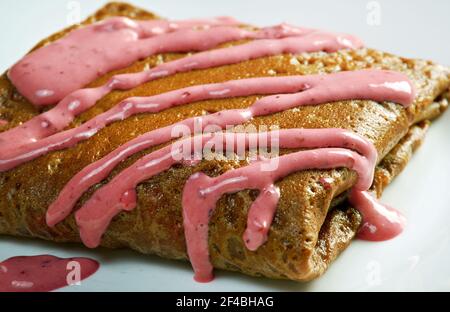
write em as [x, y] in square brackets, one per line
[306, 235]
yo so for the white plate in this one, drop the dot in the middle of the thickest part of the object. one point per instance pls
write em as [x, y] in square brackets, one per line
[417, 260]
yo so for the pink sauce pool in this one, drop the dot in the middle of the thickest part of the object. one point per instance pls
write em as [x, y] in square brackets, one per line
[43, 273]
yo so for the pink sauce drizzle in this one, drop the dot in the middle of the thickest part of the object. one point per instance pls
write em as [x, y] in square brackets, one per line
[41, 273]
[119, 194]
[289, 39]
[3, 122]
[48, 74]
[375, 85]
[318, 89]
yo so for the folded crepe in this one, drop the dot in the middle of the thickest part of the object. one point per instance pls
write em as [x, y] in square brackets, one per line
[313, 221]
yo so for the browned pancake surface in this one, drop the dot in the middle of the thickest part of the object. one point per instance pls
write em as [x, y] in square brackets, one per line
[304, 237]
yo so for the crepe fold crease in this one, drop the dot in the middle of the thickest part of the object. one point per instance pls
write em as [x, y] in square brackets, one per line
[313, 223]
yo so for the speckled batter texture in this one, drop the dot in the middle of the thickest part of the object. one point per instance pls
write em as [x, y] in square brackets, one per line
[312, 224]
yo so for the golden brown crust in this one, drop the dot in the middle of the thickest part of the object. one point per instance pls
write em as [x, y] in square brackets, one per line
[305, 236]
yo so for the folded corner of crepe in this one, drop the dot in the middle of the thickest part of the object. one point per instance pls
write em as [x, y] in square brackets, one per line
[304, 237]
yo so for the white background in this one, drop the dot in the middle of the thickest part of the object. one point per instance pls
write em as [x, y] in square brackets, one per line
[417, 260]
[410, 28]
